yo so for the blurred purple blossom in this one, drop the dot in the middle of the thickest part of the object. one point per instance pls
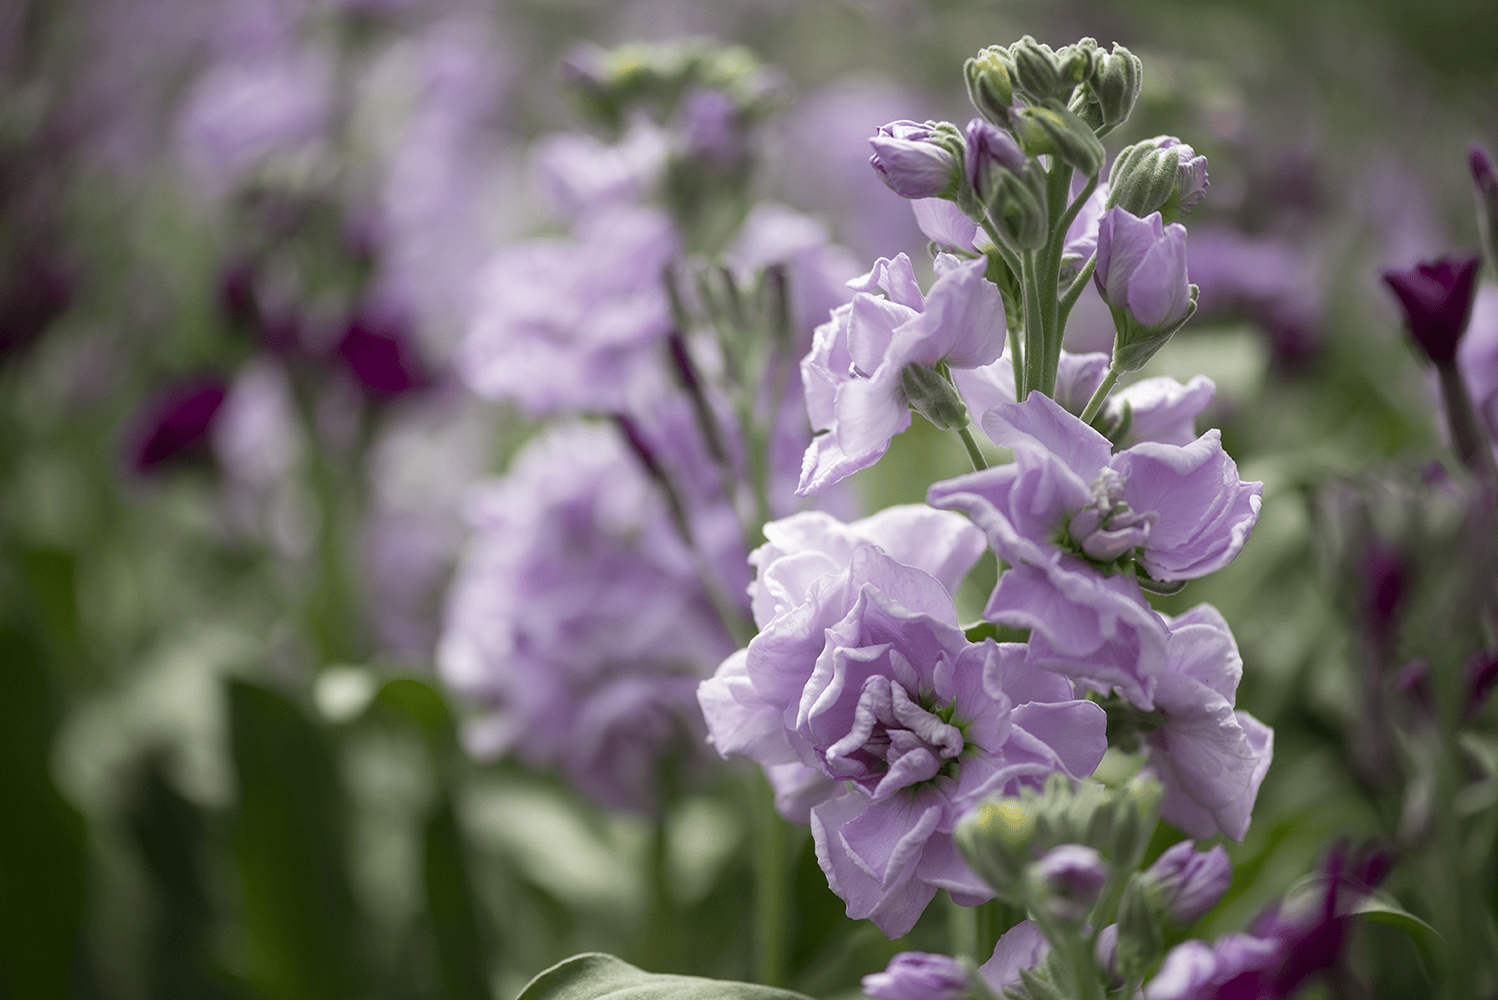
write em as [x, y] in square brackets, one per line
[1074, 876]
[1477, 357]
[1190, 882]
[918, 975]
[1021, 947]
[1268, 277]
[946, 225]
[176, 421]
[379, 351]
[578, 173]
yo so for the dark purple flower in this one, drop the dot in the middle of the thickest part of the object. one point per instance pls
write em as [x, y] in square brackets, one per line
[379, 352]
[178, 421]
[909, 160]
[1437, 301]
[918, 975]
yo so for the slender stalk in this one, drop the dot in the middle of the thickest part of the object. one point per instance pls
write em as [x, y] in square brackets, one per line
[1016, 350]
[1034, 326]
[1048, 277]
[1075, 289]
[1096, 402]
[962, 923]
[657, 932]
[1466, 433]
[1007, 255]
[974, 453]
[772, 888]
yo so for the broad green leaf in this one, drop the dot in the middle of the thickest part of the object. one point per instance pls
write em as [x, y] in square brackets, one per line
[597, 976]
[1381, 907]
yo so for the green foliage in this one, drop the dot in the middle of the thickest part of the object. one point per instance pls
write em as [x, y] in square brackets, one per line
[604, 977]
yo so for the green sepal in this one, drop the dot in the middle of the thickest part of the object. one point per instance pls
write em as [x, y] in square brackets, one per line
[1143, 178]
[933, 397]
[1052, 127]
[1134, 345]
[1036, 73]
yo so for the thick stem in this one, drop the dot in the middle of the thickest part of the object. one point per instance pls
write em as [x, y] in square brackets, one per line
[962, 923]
[657, 933]
[1058, 186]
[1096, 402]
[772, 888]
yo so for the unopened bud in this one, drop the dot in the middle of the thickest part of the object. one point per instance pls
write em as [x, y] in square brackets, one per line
[1115, 86]
[1141, 936]
[991, 153]
[916, 160]
[1068, 881]
[1036, 72]
[1052, 127]
[1189, 882]
[933, 397]
[990, 83]
[1161, 175]
[994, 840]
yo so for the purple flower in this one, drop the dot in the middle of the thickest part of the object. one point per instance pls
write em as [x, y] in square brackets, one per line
[946, 225]
[918, 975]
[1160, 409]
[908, 158]
[378, 350]
[1190, 882]
[990, 149]
[853, 375]
[711, 128]
[860, 671]
[1021, 947]
[1198, 971]
[1179, 511]
[1141, 269]
[578, 173]
[1437, 301]
[569, 325]
[1477, 358]
[1269, 278]
[577, 619]
[177, 422]
[1210, 758]
[1072, 877]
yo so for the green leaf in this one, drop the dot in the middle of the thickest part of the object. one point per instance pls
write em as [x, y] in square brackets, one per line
[1382, 908]
[998, 633]
[597, 976]
[453, 908]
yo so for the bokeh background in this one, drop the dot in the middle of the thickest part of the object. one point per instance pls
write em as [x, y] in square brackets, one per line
[226, 766]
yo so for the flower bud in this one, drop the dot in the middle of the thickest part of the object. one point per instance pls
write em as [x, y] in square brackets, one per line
[1077, 62]
[1115, 85]
[1141, 936]
[1188, 883]
[1036, 72]
[990, 83]
[994, 840]
[1437, 300]
[933, 397]
[991, 152]
[918, 975]
[914, 161]
[1068, 881]
[1141, 275]
[1485, 177]
[1161, 174]
[1052, 127]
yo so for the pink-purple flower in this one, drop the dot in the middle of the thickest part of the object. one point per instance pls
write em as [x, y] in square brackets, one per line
[853, 375]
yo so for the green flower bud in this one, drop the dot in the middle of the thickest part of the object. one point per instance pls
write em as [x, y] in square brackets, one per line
[1161, 175]
[990, 83]
[994, 840]
[933, 397]
[1141, 932]
[1017, 206]
[1079, 61]
[1052, 127]
[1115, 85]
[1036, 72]
[1138, 805]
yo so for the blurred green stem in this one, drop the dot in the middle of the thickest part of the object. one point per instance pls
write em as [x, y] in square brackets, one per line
[772, 885]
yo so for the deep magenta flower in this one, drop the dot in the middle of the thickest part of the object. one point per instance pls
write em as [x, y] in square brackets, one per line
[380, 352]
[177, 421]
[853, 375]
[911, 162]
[1437, 300]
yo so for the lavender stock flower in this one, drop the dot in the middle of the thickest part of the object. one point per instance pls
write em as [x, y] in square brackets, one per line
[1190, 882]
[909, 159]
[853, 375]
[918, 975]
[1141, 275]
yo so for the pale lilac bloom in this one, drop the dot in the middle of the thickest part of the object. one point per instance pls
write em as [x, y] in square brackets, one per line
[852, 376]
[1190, 882]
[856, 654]
[948, 226]
[567, 325]
[1195, 970]
[1477, 358]
[1074, 876]
[918, 975]
[1021, 947]
[1178, 511]
[577, 622]
[909, 160]
[578, 173]
[1141, 268]
[1210, 758]
[241, 113]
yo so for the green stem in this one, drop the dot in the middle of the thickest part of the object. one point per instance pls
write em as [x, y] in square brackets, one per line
[1016, 350]
[974, 453]
[1075, 289]
[655, 950]
[1007, 255]
[772, 890]
[1058, 186]
[1096, 402]
[1034, 326]
[962, 923]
